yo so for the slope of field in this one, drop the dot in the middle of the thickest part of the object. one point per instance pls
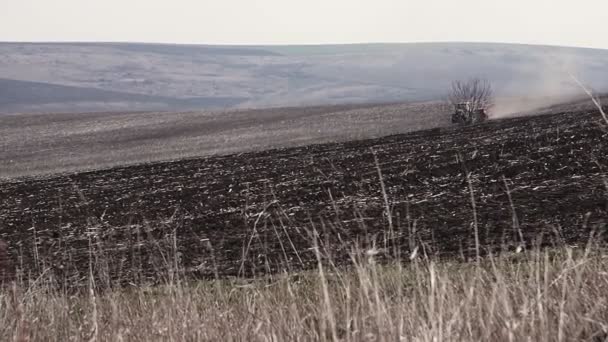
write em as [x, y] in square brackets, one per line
[33, 96]
[34, 144]
[537, 179]
[270, 76]
[577, 104]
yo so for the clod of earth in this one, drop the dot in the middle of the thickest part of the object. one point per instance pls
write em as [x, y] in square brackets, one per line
[537, 179]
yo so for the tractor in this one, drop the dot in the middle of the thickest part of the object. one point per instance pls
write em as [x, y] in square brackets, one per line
[466, 114]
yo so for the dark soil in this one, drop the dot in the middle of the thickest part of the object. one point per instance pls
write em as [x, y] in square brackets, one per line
[254, 213]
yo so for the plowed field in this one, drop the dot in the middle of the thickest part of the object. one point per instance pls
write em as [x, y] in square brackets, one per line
[534, 179]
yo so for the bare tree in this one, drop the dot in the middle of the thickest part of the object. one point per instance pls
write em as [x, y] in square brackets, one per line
[477, 92]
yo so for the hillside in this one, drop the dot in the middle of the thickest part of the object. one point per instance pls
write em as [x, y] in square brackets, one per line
[257, 210]
[36, 96]
[36, 144]
[192, 77]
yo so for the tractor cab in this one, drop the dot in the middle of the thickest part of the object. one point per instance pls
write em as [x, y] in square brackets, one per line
[463, 106]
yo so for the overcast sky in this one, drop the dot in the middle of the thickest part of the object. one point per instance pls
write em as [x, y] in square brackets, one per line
[553, 22]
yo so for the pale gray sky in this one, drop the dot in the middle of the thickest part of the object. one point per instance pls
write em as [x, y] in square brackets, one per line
[553, 22]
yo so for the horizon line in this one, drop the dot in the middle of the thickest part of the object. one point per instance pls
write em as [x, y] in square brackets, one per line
[59, 42]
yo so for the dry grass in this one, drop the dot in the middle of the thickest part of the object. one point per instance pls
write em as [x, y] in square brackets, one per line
[532, 296]
[594, 99]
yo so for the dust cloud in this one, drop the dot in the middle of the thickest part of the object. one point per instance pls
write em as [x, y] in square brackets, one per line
[547, 82]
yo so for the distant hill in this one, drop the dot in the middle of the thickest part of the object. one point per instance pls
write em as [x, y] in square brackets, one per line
[36, 96]
[73, 77]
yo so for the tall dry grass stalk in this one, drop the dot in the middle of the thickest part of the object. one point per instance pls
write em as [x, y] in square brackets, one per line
[595, 100]
[548, 295]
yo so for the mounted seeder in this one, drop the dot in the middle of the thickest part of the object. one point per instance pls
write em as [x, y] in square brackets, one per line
[466, 114]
